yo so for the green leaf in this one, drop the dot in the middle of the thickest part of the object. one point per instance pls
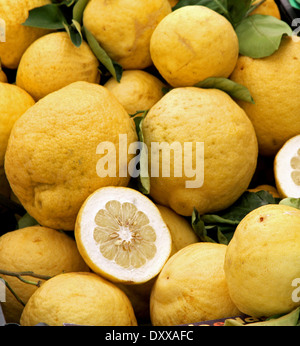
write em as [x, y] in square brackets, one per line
[238, 10]
[74, 31]
[27, 221]
[232, 88]
[219, 6]
[233, 10]
[114, 68]
[221, 227]
[260, 35]
[292, 202]
[144, 179]
[46, 17]
[78, 10]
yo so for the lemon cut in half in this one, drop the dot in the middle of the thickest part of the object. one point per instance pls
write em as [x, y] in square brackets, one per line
[121, 235]
[287, 168]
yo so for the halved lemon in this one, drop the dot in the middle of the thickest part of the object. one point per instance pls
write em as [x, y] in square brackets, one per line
[287, 168]
[121, 235]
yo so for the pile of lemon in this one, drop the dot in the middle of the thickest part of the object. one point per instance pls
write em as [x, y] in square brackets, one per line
[105, 252]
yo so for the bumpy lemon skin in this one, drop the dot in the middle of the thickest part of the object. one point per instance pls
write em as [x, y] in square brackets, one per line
[18, 37]
[124, 28]
[192, 44]
[138, 90]
[78, 298]
[53, 62]
[273, 83]
[192, 287]
[212, 118]
[41, 250]
[51, 160]
[14, 101]
[262, 260]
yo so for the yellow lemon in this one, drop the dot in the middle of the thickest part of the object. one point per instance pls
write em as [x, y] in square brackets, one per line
[3, 77]
[78, 298]
[124, 28]
[121, 235]
[287, 168]
[180, 228]
[192, 44]
[52, 159]
[191, 287]
[265, 187]
[18, 37]
[262, 261]
[273, 82]
[14, 101]
[52, 62]
[137, 91]
[40, 250]
[269, 8]
[202, 150]
[182, 235]
[173, 2]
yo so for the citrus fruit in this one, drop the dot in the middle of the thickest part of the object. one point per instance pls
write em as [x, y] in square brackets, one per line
[180, 228]
[124, 28]
[268, 7]
[78, 298]
[17, 36]
[265, 187]
[52, 159]
[121, 235]
[262, 260]
[3, 77]
[287, 168]
[14, 101]
[192, 44]
[36, 249]
[274, 116]
[52, 62]
[191, 287]
[137, 91]
[182, 235]
[173, 2]
[209, 153]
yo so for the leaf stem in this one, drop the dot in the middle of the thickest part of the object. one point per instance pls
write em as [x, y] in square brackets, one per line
[20, 275]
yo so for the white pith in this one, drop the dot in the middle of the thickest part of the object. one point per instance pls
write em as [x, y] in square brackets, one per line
[162, 242]
[284, 170]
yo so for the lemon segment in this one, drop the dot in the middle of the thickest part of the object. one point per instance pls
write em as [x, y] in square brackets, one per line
[287, 168]
[122, 236]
